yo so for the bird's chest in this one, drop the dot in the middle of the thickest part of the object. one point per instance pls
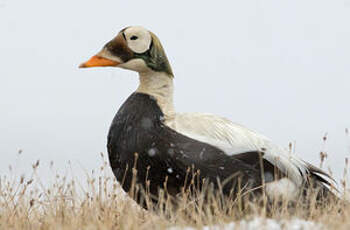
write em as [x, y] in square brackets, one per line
[142, 149]
[138, 147]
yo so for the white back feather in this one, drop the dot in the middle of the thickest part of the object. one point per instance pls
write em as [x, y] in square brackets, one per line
[234, 139]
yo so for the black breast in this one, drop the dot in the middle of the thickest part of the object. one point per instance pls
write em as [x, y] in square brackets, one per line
[165, 155]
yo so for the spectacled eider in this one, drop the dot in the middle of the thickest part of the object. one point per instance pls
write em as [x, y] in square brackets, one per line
[169, 143]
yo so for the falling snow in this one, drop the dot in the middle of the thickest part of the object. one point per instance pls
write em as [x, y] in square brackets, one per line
[152, 152]
[201, 154]
[170, 170]
[171, 152]
[146, 123]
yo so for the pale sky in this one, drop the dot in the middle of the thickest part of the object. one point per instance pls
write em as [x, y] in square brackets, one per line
[279, 67]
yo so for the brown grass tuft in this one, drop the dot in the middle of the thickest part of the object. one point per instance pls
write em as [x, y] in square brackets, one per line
[26, 203]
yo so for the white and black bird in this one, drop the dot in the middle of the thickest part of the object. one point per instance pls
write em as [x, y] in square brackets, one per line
[168, 143]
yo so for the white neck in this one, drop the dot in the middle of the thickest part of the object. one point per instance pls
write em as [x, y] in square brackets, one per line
[160, 86]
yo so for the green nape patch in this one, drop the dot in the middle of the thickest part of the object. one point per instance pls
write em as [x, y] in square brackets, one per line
[155, 58]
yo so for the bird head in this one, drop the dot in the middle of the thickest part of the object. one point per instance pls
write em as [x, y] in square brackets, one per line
[134, 48]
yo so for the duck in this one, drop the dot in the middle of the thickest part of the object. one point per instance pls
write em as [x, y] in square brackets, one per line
[155, 147]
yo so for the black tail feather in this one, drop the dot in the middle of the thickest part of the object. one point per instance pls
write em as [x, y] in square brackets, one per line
[322, 183]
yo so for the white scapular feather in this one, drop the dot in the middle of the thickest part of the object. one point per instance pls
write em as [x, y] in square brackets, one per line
[234, 139]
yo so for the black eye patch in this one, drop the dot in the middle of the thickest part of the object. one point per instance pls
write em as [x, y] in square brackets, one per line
[133, 37]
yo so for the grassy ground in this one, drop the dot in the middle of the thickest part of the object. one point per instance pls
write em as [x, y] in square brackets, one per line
[26, 203]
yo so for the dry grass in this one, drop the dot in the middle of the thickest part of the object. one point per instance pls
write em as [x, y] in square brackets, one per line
[97, 202]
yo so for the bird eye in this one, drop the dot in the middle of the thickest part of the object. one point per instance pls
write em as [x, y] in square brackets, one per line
[133, 37]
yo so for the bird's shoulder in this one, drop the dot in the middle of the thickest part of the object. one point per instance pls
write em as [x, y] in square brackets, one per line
[235, 139]
[218, 131]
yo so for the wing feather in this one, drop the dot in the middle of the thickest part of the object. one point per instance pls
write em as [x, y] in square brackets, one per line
[235, 139]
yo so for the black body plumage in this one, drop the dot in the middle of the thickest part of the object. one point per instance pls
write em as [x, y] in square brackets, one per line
[164, 154]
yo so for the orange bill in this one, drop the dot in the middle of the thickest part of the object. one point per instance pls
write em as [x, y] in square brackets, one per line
[97, 61]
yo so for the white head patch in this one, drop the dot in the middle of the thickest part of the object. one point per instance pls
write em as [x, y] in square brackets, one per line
[138, 39]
